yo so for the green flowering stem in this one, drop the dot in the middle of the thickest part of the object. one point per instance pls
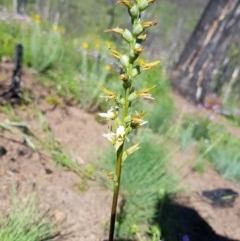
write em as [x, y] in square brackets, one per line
[122, 114]
[126, 104]
[116, 191]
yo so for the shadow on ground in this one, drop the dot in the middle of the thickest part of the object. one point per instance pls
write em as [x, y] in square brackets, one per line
[181, 223]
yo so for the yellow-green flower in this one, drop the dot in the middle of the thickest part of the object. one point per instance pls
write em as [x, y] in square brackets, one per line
[97, 45]
[141, 61]
[85, 45]
[55, 28]
[37, 18]
[108, 67]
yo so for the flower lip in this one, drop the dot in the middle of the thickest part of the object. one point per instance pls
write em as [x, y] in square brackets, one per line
[120, 132]
[110, 115]
[110, 136]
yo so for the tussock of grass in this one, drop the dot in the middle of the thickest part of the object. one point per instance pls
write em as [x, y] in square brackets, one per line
[225, 157]
[216, 146]
[27, 223]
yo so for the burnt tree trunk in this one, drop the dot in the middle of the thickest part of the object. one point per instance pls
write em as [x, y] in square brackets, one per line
[206, 55]
[21, 5]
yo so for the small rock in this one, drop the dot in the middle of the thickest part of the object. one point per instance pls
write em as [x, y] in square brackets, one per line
[3, 151]
[21, 152]
[14, 170]
[48, 171]
[59, 216]
[12, 159]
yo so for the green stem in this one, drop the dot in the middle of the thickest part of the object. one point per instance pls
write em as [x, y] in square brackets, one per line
[118, 172]
[126, 103]
[116, 192]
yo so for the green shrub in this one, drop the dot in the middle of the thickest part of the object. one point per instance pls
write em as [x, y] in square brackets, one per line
[8, 38]
[43, 45]
[44, 49]
[215, 145]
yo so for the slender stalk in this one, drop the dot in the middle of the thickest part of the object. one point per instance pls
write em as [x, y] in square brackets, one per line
[126, 103]
[116, 192]
[124, 119]
[118, 174]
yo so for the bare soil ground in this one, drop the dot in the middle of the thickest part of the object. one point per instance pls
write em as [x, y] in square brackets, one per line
[84, 214]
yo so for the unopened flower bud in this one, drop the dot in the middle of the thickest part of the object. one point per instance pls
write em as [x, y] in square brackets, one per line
[137, 29]
[132, 55]
[127, 35]
[141, 38]
[134, 11]
[124, 60]
[138, 49]
[124, 77]
[135, 72]
[137, 45]
[142, 4]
